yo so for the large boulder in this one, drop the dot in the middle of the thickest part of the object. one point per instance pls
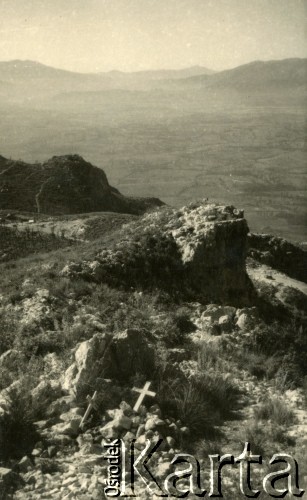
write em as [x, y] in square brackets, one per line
[36, 309]
[131, 352]
[106, 356]
[87, 364]
[46, 392]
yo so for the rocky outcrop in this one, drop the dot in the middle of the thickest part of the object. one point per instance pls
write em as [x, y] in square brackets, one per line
[106, 356]
[200, 247]
[63, 185]
[212, 240]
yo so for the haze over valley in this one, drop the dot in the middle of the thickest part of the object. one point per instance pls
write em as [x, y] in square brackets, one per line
[235, 135]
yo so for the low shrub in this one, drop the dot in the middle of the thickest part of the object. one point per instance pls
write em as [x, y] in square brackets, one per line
[285, 347]
[174, 329]
[276, 410]
[265, 437]
[17, 431]
[181, 318]
[8, 327]
[258, 364]
[212, 355]
[39, 343]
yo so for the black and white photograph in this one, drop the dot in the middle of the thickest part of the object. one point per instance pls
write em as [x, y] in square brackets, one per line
[153, 249]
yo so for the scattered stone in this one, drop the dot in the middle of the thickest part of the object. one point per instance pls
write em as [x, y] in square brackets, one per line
[70, 428]
[46, 392]
[225, 323]
[140, 431]
[41, 424]
[153, 423]
[126, 408]
[55, 439]
[129, 436]
[59, 406]
[52, 451]
[162, 470]
[170, 441]
[36, 452]
[242, 321]
[25, 464]
[30, 477]
[71, 414]
[185, 430]
[5, 474]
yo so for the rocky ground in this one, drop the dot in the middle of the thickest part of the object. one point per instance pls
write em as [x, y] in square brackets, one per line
[68, 461]
[172, 301]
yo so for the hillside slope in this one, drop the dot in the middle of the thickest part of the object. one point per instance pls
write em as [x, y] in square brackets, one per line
[63, 185]
[158, 301]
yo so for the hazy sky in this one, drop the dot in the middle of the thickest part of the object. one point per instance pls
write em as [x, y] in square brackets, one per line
[100, 35]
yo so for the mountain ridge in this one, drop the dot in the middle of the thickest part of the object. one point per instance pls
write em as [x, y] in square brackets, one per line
[20, 64]
[22, 81]
[63, 185]
[273, 71]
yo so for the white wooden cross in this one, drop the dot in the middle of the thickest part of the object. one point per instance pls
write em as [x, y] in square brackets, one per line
[143, 392]
[92, 404]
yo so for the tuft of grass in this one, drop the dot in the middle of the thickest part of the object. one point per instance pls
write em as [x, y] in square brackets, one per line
[256, 435]
[200, 404]
[211, 355]
[209, 446]
[276, 410]
[265, 437]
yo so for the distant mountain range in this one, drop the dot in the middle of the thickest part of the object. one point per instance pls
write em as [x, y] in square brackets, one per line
[22, 80]
[236, 135]
[35, 79]
[33, 69]
[163, 74]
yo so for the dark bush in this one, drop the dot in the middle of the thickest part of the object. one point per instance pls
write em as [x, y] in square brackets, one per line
[284, 344]
[17, 431]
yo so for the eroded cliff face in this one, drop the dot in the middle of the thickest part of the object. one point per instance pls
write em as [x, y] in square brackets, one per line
[201, 248]
[212, 240]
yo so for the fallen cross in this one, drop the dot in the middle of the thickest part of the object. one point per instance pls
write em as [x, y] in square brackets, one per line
[92, 404]
[143, 392]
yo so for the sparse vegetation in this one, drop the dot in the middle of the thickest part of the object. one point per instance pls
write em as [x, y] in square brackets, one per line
[15, 244]
[17, 431]
[275, 410]
[133, 279]
[282, 347]
[200, 403]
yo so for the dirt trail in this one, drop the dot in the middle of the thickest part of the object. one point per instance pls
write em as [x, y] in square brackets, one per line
[268, 275]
